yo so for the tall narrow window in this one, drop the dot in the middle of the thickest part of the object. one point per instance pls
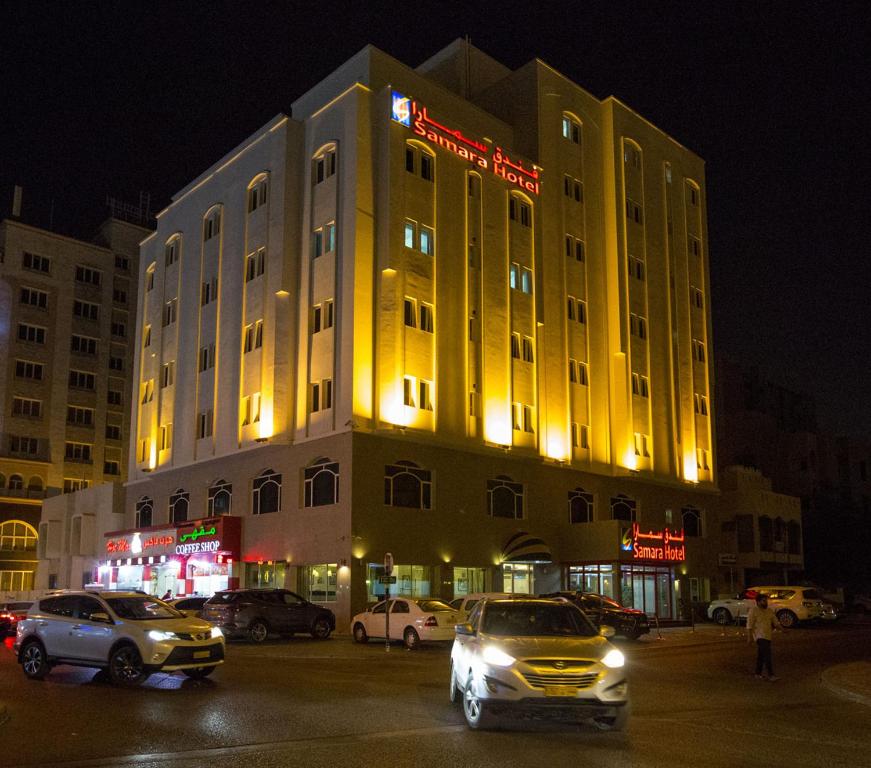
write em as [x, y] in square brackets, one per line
[257, 194]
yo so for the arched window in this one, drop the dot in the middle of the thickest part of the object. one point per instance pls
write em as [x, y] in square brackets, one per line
[580, 506]
[220, 498]
[35, 483]
[212, 223]
[623, 508]
[144, 512]
[520, 209]
[505, 498]
[691, 520]
[420, 160]
[571, 128]
[16, 483]
[766, 534]
[266, 493]
[258, 191]
[171, 254]
[324, 163]
[693, 193]
[407, 485]
[16, 535]
[179, 503]
[631, 154]
[793, 530]
[321, 481]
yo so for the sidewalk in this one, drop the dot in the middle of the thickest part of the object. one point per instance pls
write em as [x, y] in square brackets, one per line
[852, 681]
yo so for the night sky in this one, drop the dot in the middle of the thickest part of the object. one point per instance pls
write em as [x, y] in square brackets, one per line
[114, 98]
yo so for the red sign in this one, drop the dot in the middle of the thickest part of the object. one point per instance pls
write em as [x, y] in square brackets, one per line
[658, 545]
[479, 154]
[136, 544]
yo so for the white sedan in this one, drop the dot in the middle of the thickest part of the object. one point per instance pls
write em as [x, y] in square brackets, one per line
[414, 621]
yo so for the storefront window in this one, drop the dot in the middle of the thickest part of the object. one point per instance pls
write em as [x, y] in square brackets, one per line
[411, 581]
[649, 588]
[265, 575]
[206, 578]
[518, 578]
[591, 578]
[318, 582]
[468, 581]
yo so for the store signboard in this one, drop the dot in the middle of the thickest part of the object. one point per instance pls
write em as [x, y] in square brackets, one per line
[662, 546]
[149, 543]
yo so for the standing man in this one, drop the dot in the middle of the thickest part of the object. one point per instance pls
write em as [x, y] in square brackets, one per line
[761, 623]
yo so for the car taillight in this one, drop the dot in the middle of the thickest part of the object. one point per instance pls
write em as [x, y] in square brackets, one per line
[432, 621]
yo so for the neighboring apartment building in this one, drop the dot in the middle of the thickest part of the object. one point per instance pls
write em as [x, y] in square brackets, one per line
[457, 313]
[67, 309]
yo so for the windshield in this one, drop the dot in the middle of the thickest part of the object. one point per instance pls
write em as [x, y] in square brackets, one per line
[140, 608]
[536, 620]
[433, 605]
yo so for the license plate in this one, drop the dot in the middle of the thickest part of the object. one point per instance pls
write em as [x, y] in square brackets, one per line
[560, 690]
[201, 654]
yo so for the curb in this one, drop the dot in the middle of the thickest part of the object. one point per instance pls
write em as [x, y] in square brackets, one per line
[840, 690]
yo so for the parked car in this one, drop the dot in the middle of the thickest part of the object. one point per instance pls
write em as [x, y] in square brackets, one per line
[537, 656]
[189, 606]
[127, 634]
[628, 622]
[790, 604]
[10, 615]
[464, 605]
[414, 621]
[255, 613]
[830, 612]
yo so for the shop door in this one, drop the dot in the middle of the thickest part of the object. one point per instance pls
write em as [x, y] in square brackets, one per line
[663, 595]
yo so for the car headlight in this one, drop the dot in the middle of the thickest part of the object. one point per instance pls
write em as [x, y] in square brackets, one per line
[157, 635]
[216, 632]
[613, 659]
[492, 655]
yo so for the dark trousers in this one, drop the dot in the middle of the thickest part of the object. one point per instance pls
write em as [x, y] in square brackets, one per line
[763, 657]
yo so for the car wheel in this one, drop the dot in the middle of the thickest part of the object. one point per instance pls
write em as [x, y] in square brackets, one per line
[787, 619]
[617, 722]
[454, 692]
[198, 673]
[258, 631]
[722, 616]
[360, 635]
[411, 639]
[126, 667]
[321, 629]
[34, 661]
[477, 712]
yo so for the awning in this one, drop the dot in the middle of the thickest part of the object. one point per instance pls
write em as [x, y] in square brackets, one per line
[522, 547]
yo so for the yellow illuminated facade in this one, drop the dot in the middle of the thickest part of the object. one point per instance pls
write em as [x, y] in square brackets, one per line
[469, 290]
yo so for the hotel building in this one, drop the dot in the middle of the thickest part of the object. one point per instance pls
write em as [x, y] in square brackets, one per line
[457, 313]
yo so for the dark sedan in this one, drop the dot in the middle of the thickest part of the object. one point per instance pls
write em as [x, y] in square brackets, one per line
[10, 615]
[256, 613]
[627, 622]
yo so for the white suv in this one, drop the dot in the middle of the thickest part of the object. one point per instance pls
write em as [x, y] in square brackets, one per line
[128, 634]
[790, 604]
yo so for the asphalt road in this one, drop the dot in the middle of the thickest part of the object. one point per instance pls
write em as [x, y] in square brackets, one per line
[309, 703]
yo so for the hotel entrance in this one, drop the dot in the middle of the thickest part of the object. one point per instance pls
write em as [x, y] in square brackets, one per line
[649, 588]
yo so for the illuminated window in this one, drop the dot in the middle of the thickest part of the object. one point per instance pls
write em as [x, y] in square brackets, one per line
[427, 240]
[520, 211]
[179, 504]
[220, 500]
[330, 237]
[638, 326]
[698, 351]
[691, 521]
[89, 276]
[525, 280]
[640, 385]
[514, 275]
[17, 536]
[324, 165]
[207, 357]
[701, 404]
[623, 508]
[257, 194]
[571, 129]
[34, 334]
[424, 395]
[144, 512]
[641, 448]
[426, 318]
[321, 483]
[526, 348]
[697, 298]
[407, 485]
[573, 188]
[170, 311]
[410, 233]
[580, 506]
[165, 442]
[633, 211]
[212, 224]
[34, 298]
[410, 313]
[205, 423]
[171, 252]
[636, 268]
[505, 498]
[574, 248]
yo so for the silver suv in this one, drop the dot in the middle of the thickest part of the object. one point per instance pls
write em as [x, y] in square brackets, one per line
[128, 634]
[539, 657]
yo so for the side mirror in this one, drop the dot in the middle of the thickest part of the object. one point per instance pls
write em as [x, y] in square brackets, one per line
[464, 629]
[101, 618]
[606, 631]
